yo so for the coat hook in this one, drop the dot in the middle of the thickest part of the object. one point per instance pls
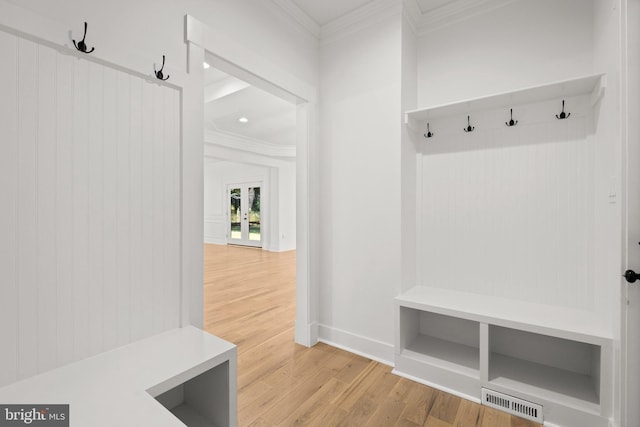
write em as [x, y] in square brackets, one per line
[81, 45]
[511, 122]
[429, 134]
[469, 128]
[158, 73]
[563, 115]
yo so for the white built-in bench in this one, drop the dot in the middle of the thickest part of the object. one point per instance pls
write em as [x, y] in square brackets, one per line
[559, 358]
[181, 377]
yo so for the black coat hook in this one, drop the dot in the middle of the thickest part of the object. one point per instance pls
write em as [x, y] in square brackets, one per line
[159, 74]
[81, 45]
[563, 115]
[511, 122]
[469, 128]
[429, 134]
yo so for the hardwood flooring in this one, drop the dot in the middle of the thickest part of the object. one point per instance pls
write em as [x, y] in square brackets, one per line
[250, 300]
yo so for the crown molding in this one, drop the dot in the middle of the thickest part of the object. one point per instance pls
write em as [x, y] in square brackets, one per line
[243, 143]
[363, 17]
[454, 12]
[412, 14]
[299, 17]
[378, 10]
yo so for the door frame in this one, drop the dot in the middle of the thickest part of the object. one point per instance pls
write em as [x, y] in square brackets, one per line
[246, 64]
[263, 209]
[630, 296]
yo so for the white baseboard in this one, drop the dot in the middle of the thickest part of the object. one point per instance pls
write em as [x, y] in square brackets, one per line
[307, 335]
[313, 333]
[357, 344]
[465, 396]
[210, 240]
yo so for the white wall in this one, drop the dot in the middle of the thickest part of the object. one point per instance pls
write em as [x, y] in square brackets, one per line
[286, 236]
[524, 43]
[90, 223]
[123, 34]
[360, 119]
[408, 159]
[147, 29]
[278, 194]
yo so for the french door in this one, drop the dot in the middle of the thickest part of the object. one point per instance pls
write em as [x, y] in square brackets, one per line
[244, 217]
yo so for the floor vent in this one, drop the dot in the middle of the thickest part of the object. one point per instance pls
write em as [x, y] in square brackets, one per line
[512, 405]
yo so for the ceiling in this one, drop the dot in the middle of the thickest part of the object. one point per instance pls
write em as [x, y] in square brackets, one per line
[271, 120]
[323, 12]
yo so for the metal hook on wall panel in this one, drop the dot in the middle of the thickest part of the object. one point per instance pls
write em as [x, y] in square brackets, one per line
[158, 73]
[429, 134]
[563, 115]
[511, 122]
[469, 128]
[81, 45]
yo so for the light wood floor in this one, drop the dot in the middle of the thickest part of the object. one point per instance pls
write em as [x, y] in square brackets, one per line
[250, 301]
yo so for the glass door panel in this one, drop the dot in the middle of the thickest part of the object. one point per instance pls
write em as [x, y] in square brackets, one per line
[235, 232]
[254, 213]
[245, 221]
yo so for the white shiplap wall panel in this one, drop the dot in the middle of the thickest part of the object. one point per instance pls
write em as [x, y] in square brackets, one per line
[46, 206]
[157, 219]
[109, 209]
[90, 232]
[80, 214]
[64, 208]
[135, 210]
[123, 230]
[27, 208]
[172, 203]
[95, 217]
[509, 211]
[8, 214]
[148, 280]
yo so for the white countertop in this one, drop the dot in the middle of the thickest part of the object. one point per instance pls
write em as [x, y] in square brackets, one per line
[116, 388]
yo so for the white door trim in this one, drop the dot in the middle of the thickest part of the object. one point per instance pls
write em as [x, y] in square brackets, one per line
[238, 60]
[630, 301]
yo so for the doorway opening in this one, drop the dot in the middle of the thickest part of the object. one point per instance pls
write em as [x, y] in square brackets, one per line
[206, 44]
[249, 203]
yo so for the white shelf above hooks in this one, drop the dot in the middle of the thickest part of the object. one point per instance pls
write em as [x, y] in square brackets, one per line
[593, 85]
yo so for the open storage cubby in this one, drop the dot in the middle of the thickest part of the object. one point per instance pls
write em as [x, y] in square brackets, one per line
[202, 401]
[446, 341]
[555, 357]
[545, 367]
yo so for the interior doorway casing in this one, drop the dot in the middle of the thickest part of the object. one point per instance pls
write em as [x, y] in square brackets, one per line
[243, 63]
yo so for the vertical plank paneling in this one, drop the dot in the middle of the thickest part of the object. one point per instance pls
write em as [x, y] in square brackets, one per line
[123, 209]
[147, 208]
[110, 231]
[503, 201]
[8, 214]
[95, 143]
[90, 175]
[159, 265]
[46, 206]
[176, 245]
[27, 208]
[172, 208]
[135, 205]
[64, 207]
[81, 118]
